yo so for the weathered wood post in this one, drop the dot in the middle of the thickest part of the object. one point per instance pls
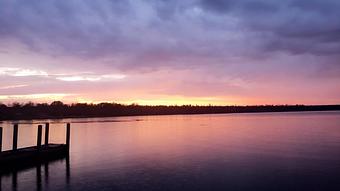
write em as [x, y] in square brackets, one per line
[15, 137]
[47, 131]
[68, 132]
[39, 137]
[0, 139]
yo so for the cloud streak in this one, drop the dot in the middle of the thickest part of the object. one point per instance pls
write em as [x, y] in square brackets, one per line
[12, 86]
[55, 96]
[93, 78]
[19, 72]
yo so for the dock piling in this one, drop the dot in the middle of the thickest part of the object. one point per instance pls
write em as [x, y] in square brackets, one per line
[0, 139]
[47, 131]
[39, 137]
[15, 137]
[20, 158]
[68, 132]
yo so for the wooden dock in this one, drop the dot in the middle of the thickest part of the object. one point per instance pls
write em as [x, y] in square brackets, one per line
[30, 156]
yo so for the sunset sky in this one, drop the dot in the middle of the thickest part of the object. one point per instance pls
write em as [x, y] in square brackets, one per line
[220, 52]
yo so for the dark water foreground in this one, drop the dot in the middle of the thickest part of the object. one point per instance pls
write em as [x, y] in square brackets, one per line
[267, 151]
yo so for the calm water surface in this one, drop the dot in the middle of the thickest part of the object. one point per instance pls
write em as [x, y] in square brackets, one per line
[267, 151]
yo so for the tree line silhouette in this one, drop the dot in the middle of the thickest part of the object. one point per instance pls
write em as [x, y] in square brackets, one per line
[58, 109]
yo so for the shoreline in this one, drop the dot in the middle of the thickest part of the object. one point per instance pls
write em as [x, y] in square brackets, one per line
[286, 109]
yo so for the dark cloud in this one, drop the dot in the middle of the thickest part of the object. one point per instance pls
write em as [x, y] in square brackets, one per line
[295, 26]
[175, 34]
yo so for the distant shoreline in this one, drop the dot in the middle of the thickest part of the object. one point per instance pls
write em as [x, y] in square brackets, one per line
[58, 110]
[84, 117]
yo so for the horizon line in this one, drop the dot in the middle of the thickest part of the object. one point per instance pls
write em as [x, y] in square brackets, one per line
[157, 105]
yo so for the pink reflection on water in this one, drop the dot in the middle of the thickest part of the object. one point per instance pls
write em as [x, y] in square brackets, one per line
[171, 139]
[239, 146]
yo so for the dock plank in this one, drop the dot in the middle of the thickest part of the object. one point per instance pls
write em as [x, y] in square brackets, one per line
[24, 157]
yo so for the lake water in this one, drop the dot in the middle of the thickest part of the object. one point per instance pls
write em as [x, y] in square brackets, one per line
[263, 151]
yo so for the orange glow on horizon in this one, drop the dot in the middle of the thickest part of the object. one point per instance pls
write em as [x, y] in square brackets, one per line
[167, 100]
[171, 100]
[177, 101]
